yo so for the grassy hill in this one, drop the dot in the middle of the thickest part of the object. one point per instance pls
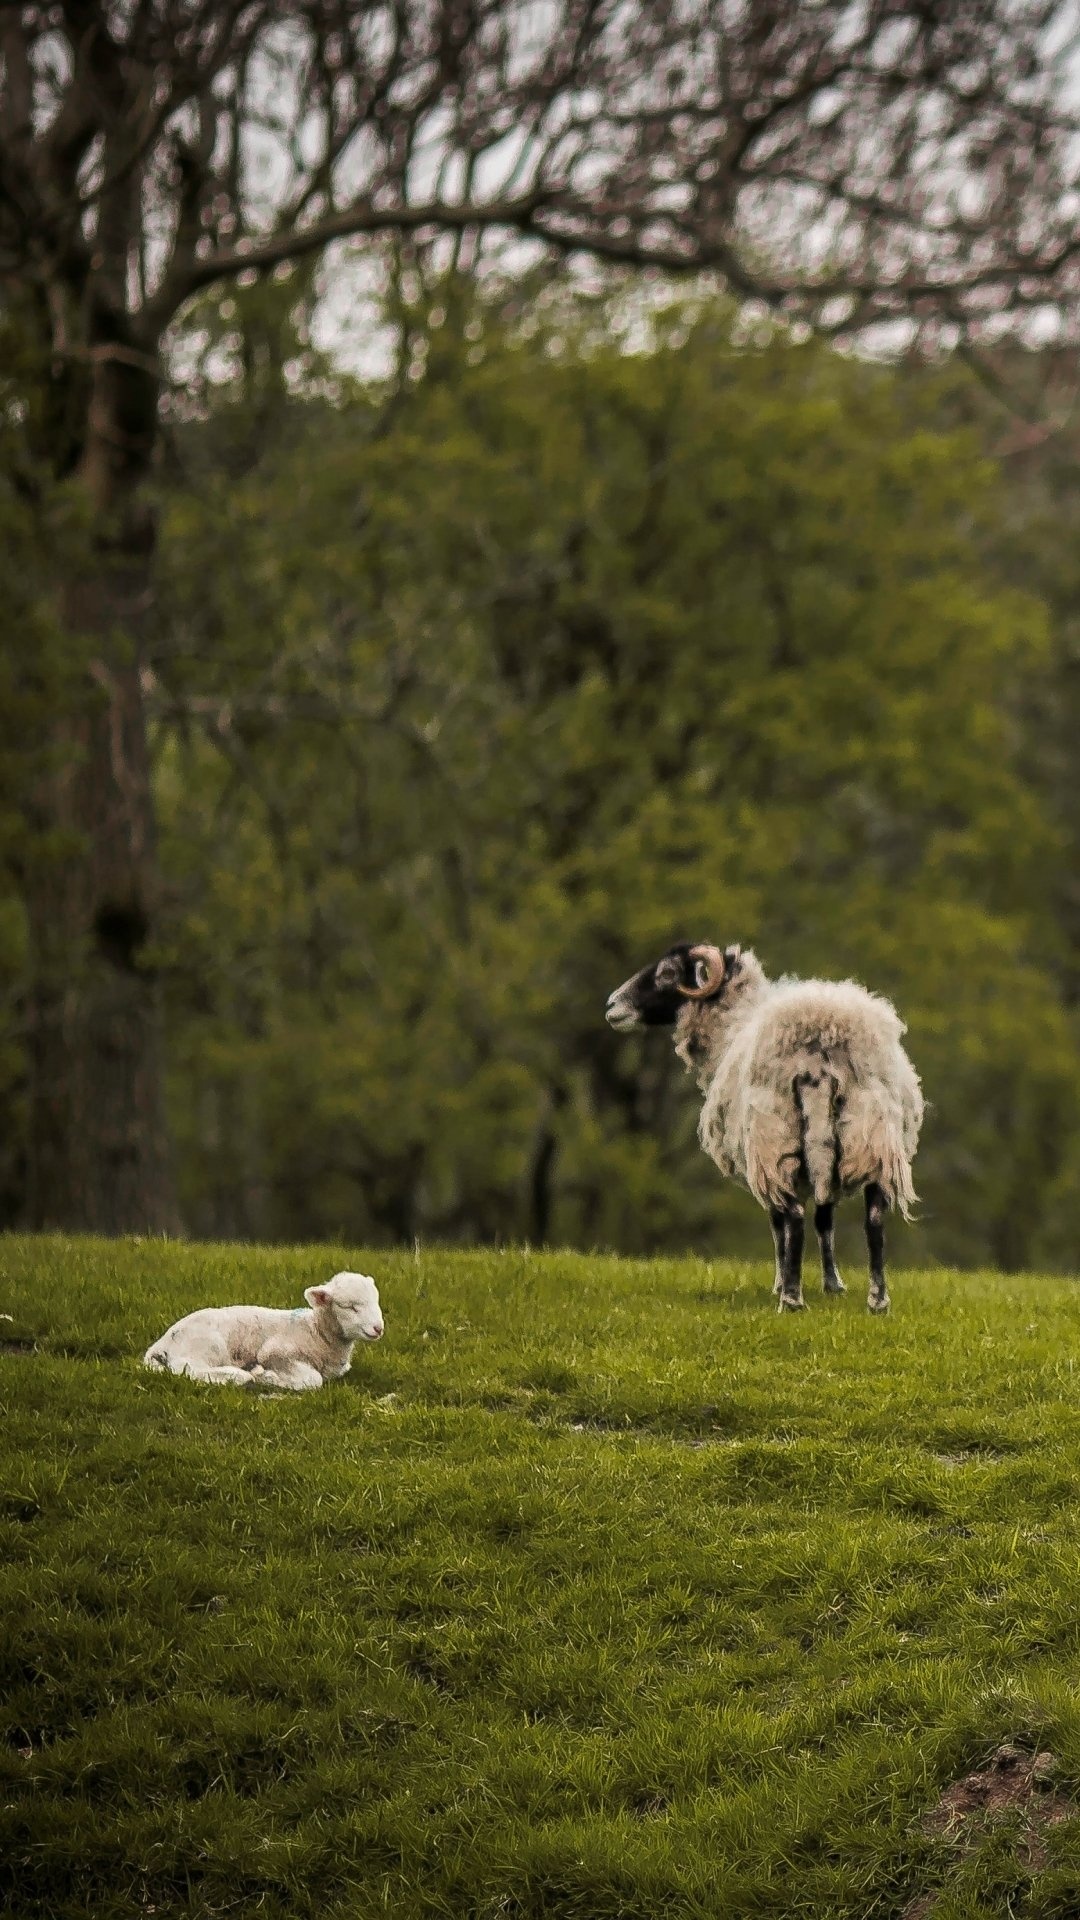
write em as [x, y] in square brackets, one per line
[596, 1590]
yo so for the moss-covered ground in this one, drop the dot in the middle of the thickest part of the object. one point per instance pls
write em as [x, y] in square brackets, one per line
[596, 1590]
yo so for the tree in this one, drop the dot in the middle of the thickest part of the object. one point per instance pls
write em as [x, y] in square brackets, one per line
[851, 163]
[39, 525]
[469, 704]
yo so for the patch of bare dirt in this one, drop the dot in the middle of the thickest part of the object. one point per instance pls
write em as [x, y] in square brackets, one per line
[1012, 1783]
[1010, 1778]
[922, 1908]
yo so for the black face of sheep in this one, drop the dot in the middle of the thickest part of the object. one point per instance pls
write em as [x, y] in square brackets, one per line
[653, 997]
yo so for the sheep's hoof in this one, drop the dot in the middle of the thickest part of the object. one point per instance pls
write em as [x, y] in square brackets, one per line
[835, 1285]
[786, 1304]
[878, 1303]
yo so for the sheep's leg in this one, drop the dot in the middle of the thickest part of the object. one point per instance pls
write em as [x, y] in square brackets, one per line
[791, 1297]
[776, 1222]
[221, 1376]
[877, 1206]
[296, 1376]
[823, 1227]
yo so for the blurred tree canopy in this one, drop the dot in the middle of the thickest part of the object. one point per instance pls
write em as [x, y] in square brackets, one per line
[473, 689]
[892, 173]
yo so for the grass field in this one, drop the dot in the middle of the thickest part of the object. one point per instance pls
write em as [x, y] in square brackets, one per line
[596, 1590]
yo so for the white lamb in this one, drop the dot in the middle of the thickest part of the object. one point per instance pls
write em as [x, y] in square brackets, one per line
[272, 1347]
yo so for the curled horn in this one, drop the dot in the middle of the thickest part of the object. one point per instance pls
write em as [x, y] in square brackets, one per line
[714, 974]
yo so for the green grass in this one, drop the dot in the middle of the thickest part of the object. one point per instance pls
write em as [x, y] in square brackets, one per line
[596, 1590]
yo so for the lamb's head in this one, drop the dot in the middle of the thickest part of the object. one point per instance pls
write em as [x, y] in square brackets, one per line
[683, 975]
[353, 1300]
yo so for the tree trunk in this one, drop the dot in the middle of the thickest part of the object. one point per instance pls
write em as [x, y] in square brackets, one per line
[541, 1167]
[99, 1157]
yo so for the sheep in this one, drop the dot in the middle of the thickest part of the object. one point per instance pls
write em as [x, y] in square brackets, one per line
[808, 1094]
[271, 1347]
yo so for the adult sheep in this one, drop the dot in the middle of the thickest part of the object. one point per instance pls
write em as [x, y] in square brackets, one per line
[808, 1094]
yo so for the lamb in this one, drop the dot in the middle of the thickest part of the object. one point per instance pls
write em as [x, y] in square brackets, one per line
[270, 1347]
[808, 1094]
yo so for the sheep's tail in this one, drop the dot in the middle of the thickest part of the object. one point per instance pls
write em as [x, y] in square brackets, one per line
[874, 1147]
[817, 1096]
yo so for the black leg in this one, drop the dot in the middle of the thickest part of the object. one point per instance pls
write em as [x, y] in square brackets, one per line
[791, 1266]
[823, 1227]
[876, 1208]
[776, 1222]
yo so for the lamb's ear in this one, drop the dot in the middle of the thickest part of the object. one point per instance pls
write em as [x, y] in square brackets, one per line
[317, 1296]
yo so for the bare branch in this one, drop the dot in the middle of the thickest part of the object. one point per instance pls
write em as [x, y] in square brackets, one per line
[894, 157]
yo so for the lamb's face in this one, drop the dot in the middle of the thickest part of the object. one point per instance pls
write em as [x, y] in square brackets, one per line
[354, 1298]
[655, 996]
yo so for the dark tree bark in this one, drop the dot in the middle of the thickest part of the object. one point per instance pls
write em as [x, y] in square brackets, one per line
[99, 1156]
[888, 162]
[540, 1170]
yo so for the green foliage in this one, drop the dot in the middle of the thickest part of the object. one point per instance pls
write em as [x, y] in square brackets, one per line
[596, 1590]
[479, 691]
[476, 688]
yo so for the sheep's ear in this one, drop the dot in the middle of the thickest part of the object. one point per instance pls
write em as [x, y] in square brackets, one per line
[732, 956]
[317, 1296]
